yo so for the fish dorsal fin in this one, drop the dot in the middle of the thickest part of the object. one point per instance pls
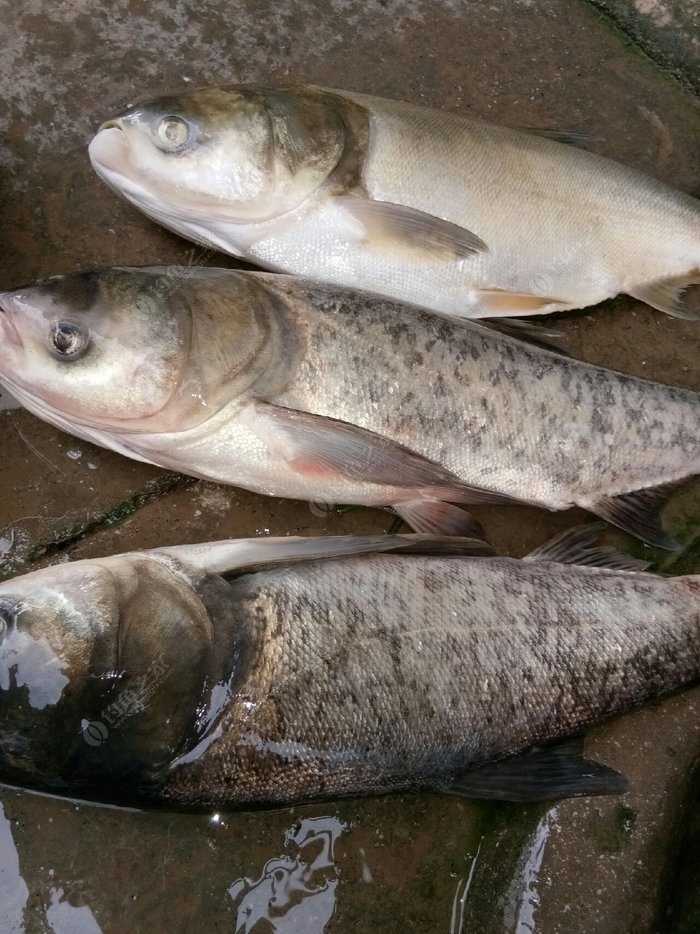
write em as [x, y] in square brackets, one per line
[543, 773]
[568, 137]
[246, 555]
[525, 331]
[576, 546]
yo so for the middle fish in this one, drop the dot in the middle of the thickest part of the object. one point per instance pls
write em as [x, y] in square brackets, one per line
[296, 389]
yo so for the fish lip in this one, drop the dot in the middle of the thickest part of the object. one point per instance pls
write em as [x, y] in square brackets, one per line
[111, 124]
[8, 324]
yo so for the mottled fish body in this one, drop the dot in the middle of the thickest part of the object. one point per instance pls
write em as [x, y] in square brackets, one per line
[299, 390]
[303, 679]
[420, 205]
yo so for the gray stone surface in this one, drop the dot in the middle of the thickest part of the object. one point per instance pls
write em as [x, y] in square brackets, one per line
[401, 863]
[668, 31]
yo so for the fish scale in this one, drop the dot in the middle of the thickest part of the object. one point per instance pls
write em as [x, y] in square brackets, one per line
[398, 672]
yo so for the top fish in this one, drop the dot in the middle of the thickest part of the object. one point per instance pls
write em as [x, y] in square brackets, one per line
[416, 204]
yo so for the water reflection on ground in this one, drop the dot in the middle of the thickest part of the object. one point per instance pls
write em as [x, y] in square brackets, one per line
[293, 893]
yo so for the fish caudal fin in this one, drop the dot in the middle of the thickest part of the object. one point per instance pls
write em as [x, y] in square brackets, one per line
[544, 773]
[638, 514]
[667, 295]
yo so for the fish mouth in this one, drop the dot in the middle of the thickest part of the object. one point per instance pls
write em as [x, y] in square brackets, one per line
[109, 147]
[109, 125]
[7, 322]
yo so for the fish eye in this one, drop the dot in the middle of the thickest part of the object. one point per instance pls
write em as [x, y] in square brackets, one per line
[172, 132]
[68, 339]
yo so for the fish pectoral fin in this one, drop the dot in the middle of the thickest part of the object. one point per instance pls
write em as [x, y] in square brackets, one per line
[568, 137]
[246, 556]
[667, 295]
[576, 546]
[638, 513]
[500, 303]
[388, 227]
[323, 447]
[543, 773]
[436, 517]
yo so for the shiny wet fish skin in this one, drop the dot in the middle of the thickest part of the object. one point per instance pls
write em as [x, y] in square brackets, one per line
[365, 672]
[300, 390]
[420, 205]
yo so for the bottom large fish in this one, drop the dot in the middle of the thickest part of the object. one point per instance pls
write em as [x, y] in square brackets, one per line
[252, 672]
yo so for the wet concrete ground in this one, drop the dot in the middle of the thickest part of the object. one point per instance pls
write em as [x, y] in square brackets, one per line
[392, 864]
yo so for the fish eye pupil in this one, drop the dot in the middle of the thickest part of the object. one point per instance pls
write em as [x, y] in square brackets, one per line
[173, 131]
[67, 338]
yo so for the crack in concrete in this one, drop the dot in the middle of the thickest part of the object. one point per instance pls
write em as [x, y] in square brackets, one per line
[116, 514]
[635, 35]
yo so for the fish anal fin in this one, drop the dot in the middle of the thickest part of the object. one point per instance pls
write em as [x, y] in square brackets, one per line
[638, 513]
[543, 773]
[577, 546]
[388, 227]
[667, 295]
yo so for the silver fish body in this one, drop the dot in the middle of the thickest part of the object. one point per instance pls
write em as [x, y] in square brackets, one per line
[295, 389]
[365, 672]
[420, 205]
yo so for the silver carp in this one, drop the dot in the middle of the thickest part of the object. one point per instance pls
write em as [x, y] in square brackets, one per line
[253, 672]
[420, 205]
[300, 390]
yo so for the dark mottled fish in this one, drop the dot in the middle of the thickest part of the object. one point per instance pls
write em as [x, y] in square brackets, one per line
[300, 390]
[419, 205]
[252, 672]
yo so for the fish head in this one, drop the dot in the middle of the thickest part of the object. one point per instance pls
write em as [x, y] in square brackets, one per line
[102, 668]
[233, 155]
[97, 349]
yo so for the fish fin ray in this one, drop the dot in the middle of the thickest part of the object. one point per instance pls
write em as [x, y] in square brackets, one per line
[576, 546]
[638, 513]
[498, 303]
[435, 517]
[543, 773]
[524, 331]
[233, 557]
[388, 225]
[456, 545]
[316, 444]
[667, 295]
